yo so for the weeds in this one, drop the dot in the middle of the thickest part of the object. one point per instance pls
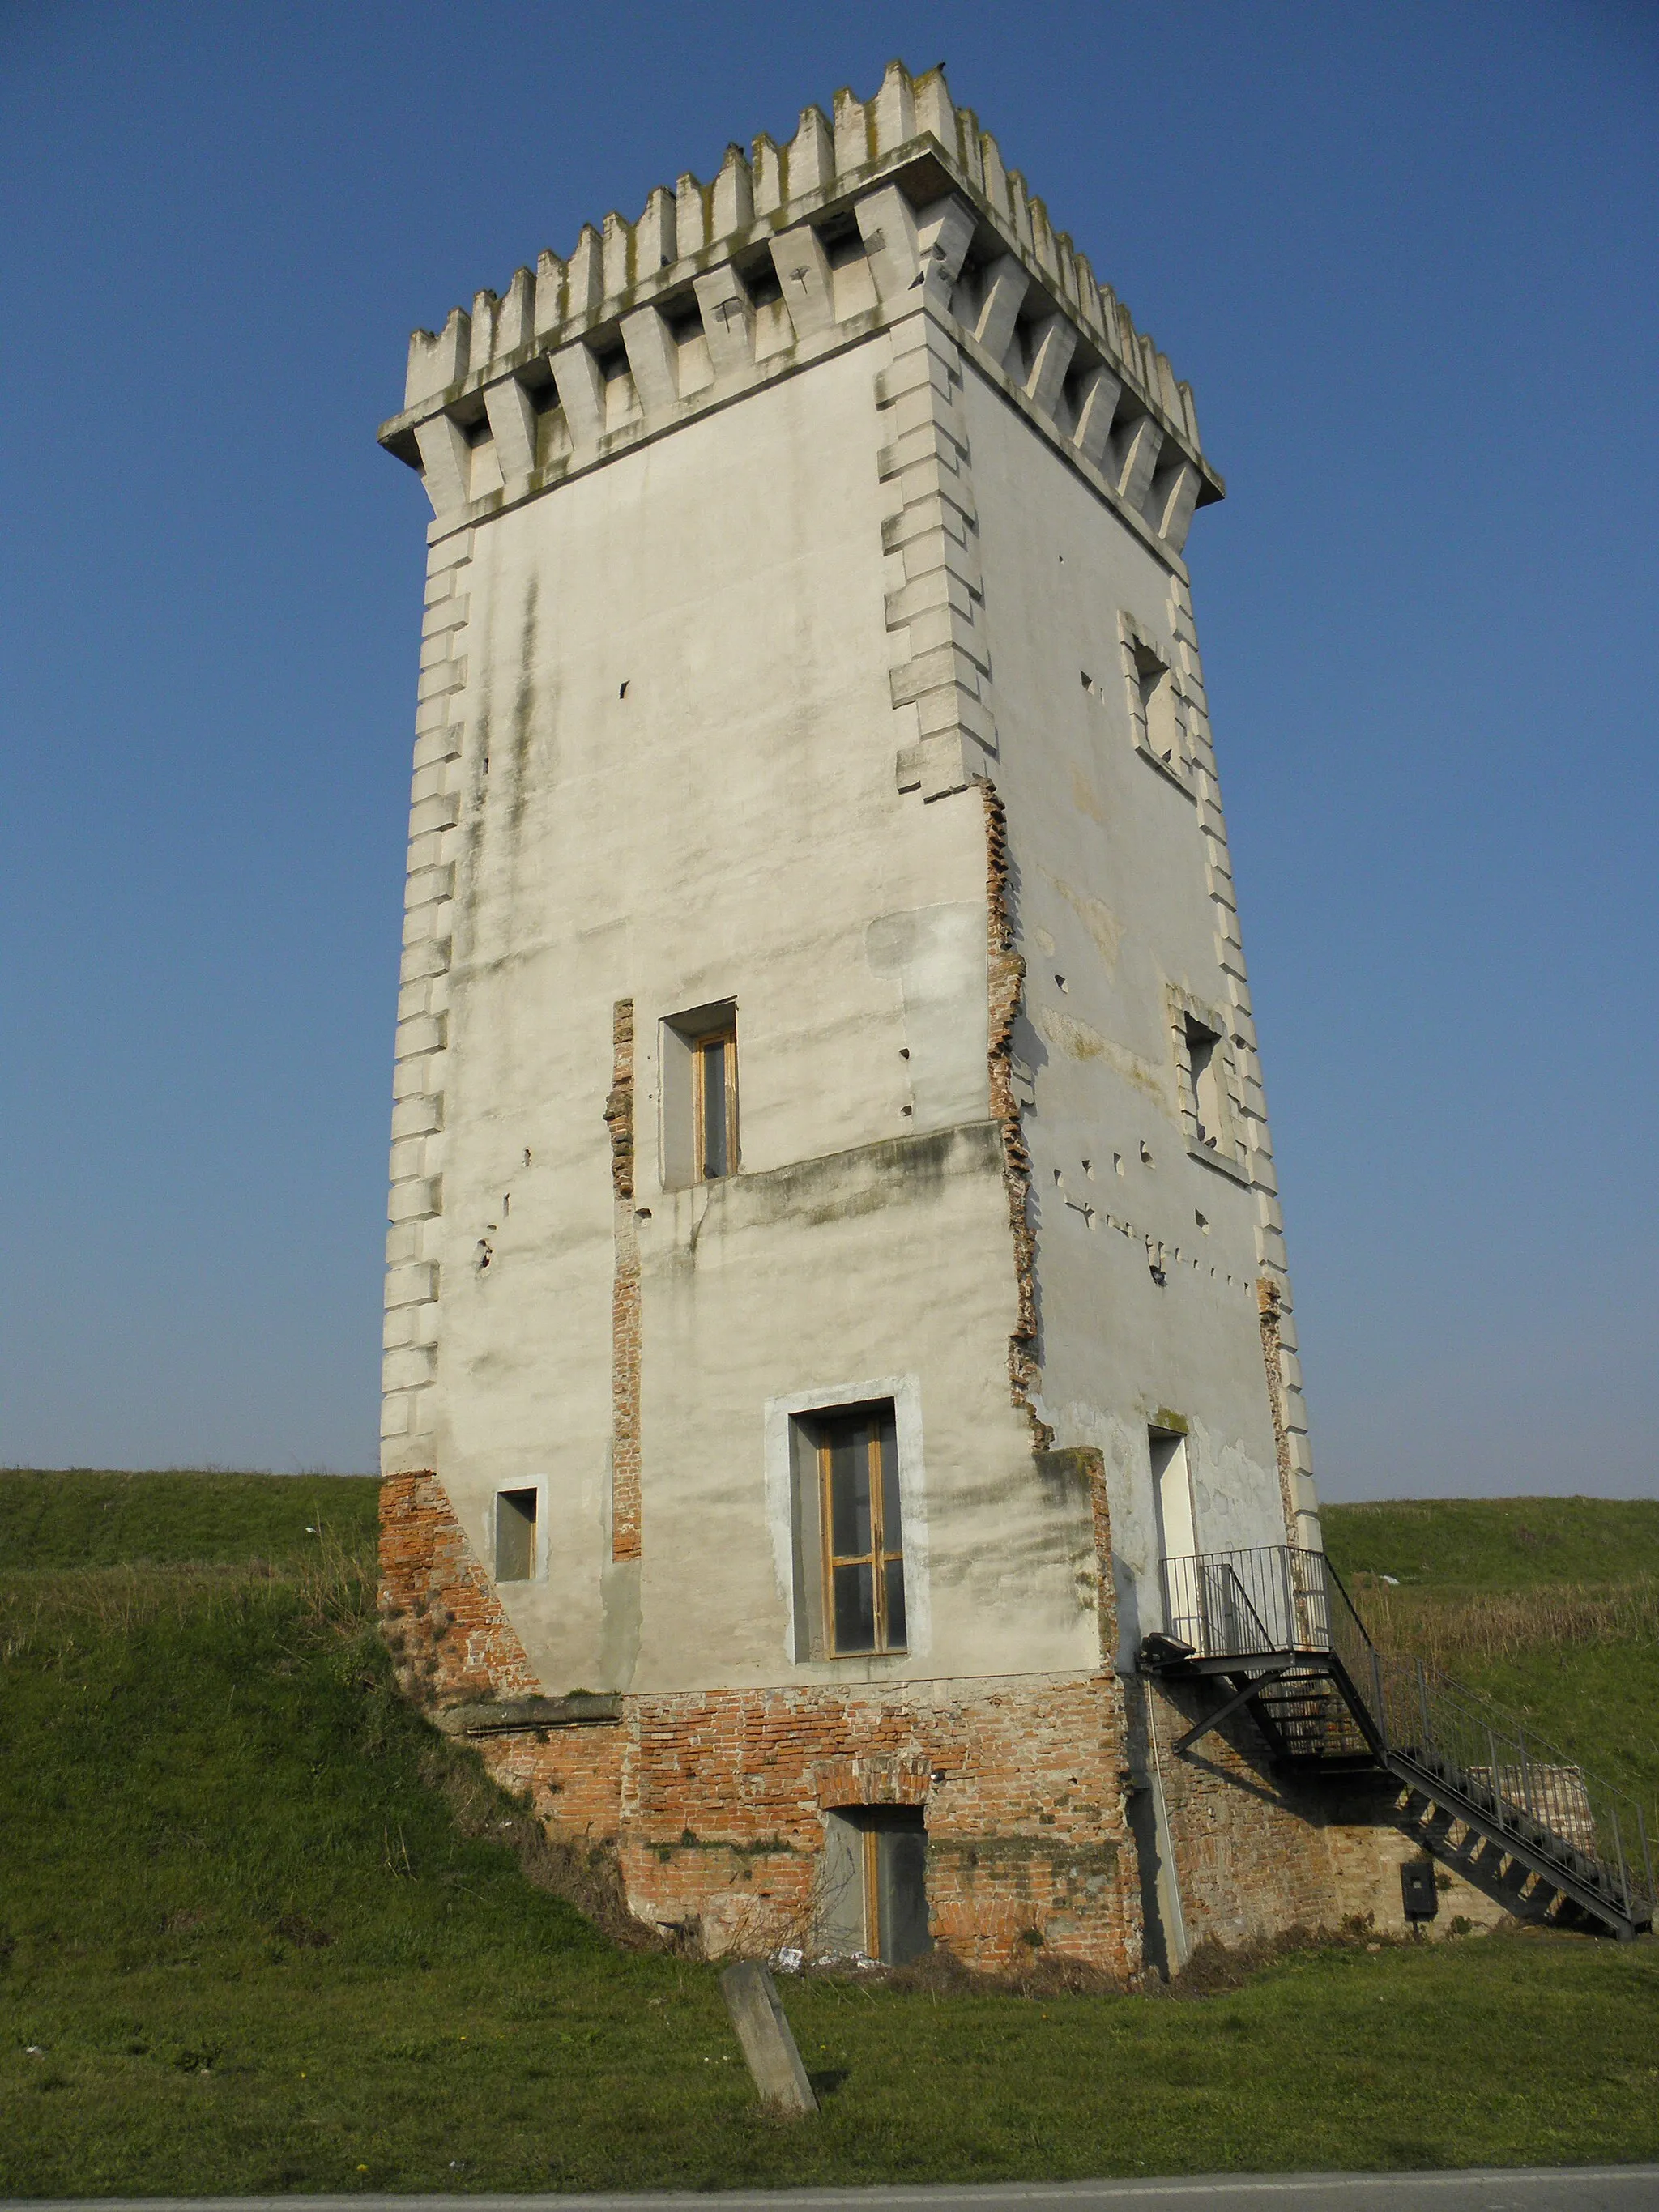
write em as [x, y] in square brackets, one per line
[1456, 1627]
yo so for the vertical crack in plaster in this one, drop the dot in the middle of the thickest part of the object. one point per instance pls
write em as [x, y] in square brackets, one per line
[625, 1512]
[1007, 980]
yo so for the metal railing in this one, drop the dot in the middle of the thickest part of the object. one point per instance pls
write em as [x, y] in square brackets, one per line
[1277, 1599]
[1242, 1604]
[1526, 1788]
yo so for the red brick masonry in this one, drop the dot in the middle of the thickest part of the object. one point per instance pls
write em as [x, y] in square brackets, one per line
[714, 1801]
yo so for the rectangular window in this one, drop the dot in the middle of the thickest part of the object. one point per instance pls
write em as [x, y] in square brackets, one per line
[700, 1095]
[872, 1897]
[862, 1531]
[515, 1535]
[1158, 707]
[1157, 713]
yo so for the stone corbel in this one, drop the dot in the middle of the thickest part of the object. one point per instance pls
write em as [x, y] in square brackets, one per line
[1054, 341]
[446, 463]
[1179, 507]
[652, 360]
[1138, 458]
[728, 320]
[803, 271]
[1006, 286]
[581, 395]
[512, 414]
[1096, 404]
[945, 231]
[887, 224]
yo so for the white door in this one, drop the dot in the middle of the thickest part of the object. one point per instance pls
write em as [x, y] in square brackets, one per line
[1177, 1536]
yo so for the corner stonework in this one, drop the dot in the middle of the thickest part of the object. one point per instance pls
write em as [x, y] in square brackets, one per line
[941, 673]
[415, 1202]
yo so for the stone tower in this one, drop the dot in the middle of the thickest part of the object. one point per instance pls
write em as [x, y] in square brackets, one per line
[834, 1255]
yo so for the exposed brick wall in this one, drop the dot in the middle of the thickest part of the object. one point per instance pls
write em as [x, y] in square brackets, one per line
[574, 1775]
[625, 1296]
[1007, 982]
[441, 1617]
[1249, 1863]
[715, 1801]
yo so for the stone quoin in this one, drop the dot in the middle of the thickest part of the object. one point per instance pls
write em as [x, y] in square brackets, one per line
[834, 1253]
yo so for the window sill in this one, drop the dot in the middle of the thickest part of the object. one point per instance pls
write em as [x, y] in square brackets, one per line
[1222, 1163]
[871, 1666]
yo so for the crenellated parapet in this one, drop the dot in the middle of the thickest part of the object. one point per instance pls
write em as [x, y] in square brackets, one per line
[895, 204]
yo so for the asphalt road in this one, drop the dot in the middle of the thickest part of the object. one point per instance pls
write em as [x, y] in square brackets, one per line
[1499, 2189]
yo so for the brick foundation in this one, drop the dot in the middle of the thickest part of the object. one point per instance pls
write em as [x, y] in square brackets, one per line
[442, 1618]
[714, 1801]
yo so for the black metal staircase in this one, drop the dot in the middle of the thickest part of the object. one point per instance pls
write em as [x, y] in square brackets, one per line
[1276, 1628]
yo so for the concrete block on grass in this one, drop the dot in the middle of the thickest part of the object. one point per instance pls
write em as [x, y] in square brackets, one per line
[752, 1998]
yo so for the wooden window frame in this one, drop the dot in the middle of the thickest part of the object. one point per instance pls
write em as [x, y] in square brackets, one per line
[726, 1036]
[870, 1855]
[878, 1558]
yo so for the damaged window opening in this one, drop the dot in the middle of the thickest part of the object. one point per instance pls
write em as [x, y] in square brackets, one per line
[1201, 1045]
[515, 1535]
[863, 1542]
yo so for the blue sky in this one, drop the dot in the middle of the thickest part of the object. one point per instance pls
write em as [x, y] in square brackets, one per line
[1406, 256]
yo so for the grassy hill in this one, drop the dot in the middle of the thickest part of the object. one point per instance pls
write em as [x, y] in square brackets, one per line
[1549, 1606]
[1498, 1543]
[261, 1930]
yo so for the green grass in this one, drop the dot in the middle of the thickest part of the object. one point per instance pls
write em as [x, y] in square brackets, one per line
[268, 1933]
[1497, 1543]
[1547, 1606]
[87, 1518]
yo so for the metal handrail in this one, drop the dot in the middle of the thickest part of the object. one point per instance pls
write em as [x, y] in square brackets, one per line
[1280, 1599]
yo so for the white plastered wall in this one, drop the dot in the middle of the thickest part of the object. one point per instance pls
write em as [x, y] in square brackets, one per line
[1115, 915]
[727, 827]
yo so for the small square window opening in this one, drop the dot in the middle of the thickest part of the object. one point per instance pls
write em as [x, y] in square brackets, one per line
[515, 1535]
